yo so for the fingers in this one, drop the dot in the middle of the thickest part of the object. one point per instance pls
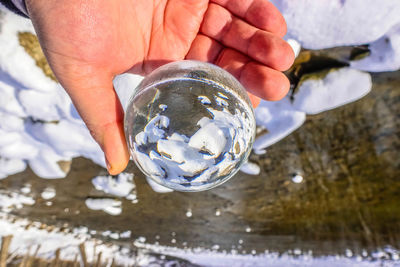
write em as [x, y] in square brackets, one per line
[259, 13]
[259, 80]
[94, 97]
[265, 47]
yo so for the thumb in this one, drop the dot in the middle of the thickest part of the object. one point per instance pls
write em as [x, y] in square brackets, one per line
[94, 97]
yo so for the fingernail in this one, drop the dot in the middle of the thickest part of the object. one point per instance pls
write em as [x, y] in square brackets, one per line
[108, 165]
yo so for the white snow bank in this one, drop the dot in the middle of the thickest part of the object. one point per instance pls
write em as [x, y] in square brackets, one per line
[324, 24]
[280, 119]
[385, 53]
[11, 166]
[338, 88]
[38, 123]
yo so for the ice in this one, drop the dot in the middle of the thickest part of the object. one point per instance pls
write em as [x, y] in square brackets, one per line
[323, 24]
[250, 168]
[121, 186]
[385, 53]
[338, 88]
[108, 205]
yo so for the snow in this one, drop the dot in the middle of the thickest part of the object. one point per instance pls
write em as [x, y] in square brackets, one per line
[121, 186]
[280, 118]
[13, 200]
[385, 53]
[212, 258]
[38, 124]
[11, 166]
[295, 45]
[108, 205]
[48, 193]
[27, 236]
[250, 168]
[338, 88]
[297, 179]
[324, 24]
[125, 85]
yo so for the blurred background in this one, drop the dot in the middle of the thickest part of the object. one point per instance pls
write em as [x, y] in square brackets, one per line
[321, 186]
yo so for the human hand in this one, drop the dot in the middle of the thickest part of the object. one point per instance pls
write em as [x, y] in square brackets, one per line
[88, 42]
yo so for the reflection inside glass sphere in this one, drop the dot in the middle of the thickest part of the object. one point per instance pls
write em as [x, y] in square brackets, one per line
[186, 131]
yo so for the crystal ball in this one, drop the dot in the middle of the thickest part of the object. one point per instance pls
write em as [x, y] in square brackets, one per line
[189, 126]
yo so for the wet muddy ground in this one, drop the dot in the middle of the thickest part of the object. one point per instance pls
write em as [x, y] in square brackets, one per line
[349, 197]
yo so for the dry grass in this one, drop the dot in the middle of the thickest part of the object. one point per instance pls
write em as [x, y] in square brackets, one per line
[31, 45]
[32, 260]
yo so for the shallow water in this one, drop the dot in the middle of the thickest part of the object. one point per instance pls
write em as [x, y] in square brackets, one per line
[348, 198]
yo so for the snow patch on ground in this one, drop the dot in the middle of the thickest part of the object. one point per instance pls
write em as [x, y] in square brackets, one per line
[121, 186]
[280, 119]
[385, 53]
[250, 168]
[338, 88]
[38, 123]
[324, 24]
[13, 200]
[28, 237]
[108, 205]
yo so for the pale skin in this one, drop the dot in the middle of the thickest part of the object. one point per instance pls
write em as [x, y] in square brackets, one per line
[88, 42]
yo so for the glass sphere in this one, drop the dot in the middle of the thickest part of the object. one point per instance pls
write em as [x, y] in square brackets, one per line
[189, 126]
